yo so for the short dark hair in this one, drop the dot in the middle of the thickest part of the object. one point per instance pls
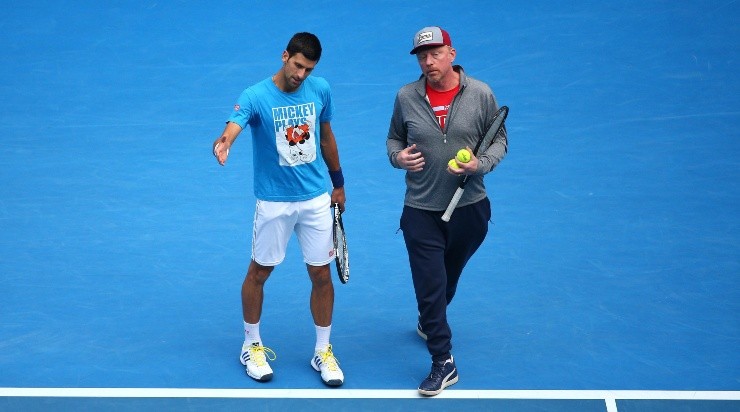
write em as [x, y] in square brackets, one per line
[307, 44]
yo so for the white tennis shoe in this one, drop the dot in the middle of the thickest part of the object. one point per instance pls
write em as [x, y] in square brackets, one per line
[324, 361]
[255, 357]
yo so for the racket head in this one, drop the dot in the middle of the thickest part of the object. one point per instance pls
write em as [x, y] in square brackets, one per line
[498, 121]
[341, 253]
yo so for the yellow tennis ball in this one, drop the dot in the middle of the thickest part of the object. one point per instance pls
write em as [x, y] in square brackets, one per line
[453, 164]
[463, 156]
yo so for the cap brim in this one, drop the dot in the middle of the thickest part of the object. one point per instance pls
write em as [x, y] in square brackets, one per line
[425, 46]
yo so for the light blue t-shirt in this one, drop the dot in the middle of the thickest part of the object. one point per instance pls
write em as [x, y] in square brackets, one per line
[286, 130]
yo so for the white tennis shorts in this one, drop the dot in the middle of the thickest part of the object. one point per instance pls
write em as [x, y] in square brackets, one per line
[275, 222]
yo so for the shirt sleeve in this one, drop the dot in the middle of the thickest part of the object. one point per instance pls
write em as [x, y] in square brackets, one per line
[397, 134]
[243, 110]
[327, 112]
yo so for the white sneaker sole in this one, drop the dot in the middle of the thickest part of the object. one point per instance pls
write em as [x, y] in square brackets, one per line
[330, 382]
[263, 378]
[444, 385]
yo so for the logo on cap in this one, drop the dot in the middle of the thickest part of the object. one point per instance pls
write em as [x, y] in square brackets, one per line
[424, 37]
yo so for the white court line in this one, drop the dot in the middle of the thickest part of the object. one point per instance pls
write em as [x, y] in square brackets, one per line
[611, 405]
[609, 396]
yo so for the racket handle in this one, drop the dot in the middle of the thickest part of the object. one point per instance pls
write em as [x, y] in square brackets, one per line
[453, 204]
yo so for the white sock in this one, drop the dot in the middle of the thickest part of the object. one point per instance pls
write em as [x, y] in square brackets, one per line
[252, 333]
[322, 337]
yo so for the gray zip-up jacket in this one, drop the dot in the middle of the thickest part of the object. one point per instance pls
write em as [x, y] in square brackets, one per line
[470, 115]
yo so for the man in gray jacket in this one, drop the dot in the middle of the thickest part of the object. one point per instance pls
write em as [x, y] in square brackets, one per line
[433, 118]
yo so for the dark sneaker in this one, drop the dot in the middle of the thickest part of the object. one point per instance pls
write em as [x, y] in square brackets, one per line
[419, 330]
[443, 374]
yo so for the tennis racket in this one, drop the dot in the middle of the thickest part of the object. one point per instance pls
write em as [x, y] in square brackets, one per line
[340, 246]
[498, 124]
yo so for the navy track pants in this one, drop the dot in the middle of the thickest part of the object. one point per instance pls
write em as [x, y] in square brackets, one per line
[438, 252]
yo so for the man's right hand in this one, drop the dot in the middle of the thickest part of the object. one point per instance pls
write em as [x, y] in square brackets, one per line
[221, 150]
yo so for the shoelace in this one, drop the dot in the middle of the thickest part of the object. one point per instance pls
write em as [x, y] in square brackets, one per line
[437, 371]
[329, 360]
[259, 353]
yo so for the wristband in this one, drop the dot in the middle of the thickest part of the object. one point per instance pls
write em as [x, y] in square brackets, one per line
[337, 179]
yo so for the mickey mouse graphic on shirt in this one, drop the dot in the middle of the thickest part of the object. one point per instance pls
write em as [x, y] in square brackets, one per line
[297, 136]
[295, 133]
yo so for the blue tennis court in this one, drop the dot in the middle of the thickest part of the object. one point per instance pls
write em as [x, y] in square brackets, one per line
[609, 281]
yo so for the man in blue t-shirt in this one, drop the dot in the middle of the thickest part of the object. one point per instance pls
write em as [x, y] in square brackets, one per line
[290, 118]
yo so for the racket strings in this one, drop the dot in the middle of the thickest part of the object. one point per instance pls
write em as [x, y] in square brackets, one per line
[340, 248]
